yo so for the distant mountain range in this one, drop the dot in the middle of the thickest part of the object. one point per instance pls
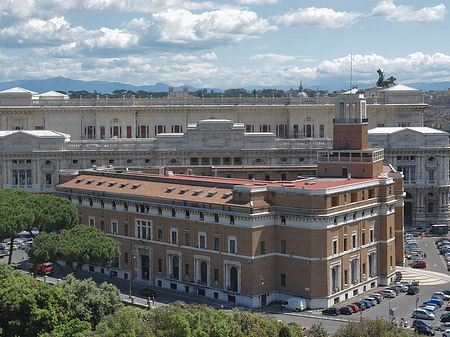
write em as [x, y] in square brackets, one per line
[67, 84]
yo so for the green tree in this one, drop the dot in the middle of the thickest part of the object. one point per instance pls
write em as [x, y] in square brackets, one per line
[30, 307]
[73, 328]
[51, 214]
[15, 216]
[90, 302]
[76, 247]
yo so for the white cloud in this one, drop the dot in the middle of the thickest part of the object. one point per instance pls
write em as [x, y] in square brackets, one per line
[210, 56]
[394, 13]
[321, 17]
[276, 58]
[219, 27]
[38, 31]
[257, 2]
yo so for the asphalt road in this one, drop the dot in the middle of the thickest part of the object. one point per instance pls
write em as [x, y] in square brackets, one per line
[402, 305]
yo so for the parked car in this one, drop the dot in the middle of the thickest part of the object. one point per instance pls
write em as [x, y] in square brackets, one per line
[424, 330]
[441, 294]
[434, 301]
[412, 290]
[419, 322]
[346, 310]
[442, 327]
[437, 298]
[429, 308]
[447, 308]
[389, 293]
[394, 288]
[402, 287]
[368, 303]
[331, 311]
[377, 296]
[361, 305]
[419, 264]
[354, 307]
[372, 300]
[445, 318]
[446, 333]
[421, 313]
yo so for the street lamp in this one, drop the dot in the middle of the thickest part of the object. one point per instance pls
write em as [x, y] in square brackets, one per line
[261, 283]
[131, 272]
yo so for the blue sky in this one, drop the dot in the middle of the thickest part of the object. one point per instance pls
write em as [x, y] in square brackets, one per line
[226, 43]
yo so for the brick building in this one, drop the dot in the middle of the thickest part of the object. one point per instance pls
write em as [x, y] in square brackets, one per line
[249, 242]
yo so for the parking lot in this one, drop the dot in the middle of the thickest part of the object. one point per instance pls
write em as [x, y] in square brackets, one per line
[431, 279]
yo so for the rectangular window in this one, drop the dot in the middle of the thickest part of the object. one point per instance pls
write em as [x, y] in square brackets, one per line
[187, 239]
[353, 240]
[231, 219]
[232, 244]
[346, 276]
[364, 269]
[282, 280]
[187, 271]
[283, 247]
[160, 236]
[202, 216]
[22, 177]
[114, 226]
[371, 235]
[15, 177]
[335, 246]
[102, 226]
[283, 220]
[263, 247]
[216, 244]
[345, 243]
[143, 229]
[321, 130]
[216, 217]
[91, 221]
[159, 265]
[174, 235]
[202, 241]
[363, 238]
[431, 175]
[126, 230]
[125, 259]
[48, 178]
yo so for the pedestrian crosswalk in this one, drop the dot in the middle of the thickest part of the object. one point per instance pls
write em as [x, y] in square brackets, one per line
[425, 277]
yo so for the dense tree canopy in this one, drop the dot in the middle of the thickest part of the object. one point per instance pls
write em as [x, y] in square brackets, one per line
[76, 247]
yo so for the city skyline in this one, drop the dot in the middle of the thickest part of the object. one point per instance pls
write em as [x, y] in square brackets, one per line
[225, 44]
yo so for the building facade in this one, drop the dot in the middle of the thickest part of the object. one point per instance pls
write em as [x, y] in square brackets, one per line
[127, 118]
[422, 154]
[326, 239]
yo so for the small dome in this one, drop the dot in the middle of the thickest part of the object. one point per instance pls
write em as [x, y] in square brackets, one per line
[302, 94]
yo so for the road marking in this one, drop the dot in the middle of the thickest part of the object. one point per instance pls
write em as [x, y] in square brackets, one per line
[426, 245]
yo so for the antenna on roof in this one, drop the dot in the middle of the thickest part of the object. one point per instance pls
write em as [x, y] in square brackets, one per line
[351, 71]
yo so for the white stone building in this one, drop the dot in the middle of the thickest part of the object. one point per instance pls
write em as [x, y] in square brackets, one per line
[422, 154]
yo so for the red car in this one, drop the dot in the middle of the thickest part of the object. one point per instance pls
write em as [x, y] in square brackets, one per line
[447, 308]
[419, 264]
[354, 307]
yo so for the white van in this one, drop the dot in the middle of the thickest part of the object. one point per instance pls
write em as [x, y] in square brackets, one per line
[294, 304]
